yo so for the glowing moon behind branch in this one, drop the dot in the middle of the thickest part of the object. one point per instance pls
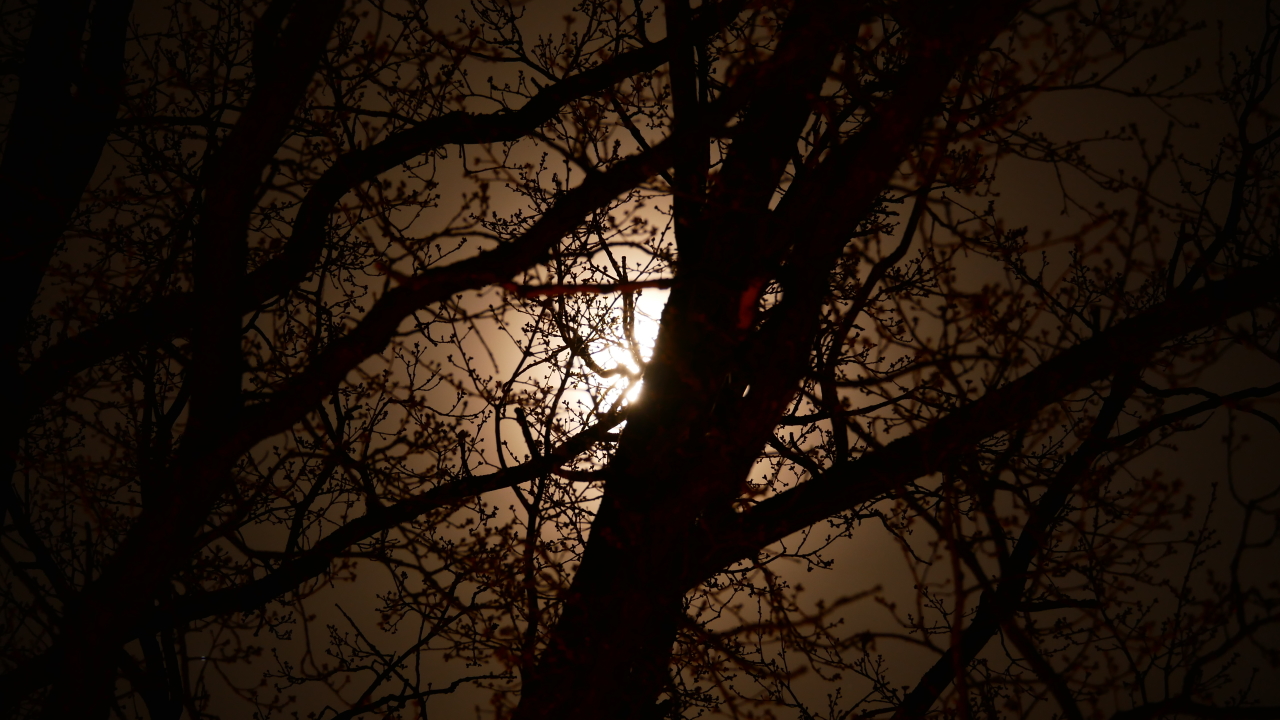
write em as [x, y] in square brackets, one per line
[648, 314]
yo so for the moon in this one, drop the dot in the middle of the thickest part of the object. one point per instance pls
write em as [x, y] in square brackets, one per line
[648, 313]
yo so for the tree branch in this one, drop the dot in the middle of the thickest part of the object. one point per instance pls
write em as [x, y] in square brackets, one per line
[849, 484]
[315, 560]
[167, 317]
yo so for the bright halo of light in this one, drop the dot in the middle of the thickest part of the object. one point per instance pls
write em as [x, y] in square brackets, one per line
[648, 314]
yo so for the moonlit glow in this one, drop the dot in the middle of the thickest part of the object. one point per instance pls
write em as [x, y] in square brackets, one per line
[648, 313]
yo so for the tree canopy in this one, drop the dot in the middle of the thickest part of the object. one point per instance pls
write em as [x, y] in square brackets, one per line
[380, 358]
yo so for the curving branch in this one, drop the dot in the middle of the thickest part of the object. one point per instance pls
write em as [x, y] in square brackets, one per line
[999, 603]
[167, 317]
[849, 484]
[315, 560]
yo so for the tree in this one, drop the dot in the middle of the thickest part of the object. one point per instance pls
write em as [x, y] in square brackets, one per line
[337, 385]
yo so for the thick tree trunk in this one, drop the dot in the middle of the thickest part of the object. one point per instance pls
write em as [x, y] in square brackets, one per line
[710, 403]
[68, 94]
